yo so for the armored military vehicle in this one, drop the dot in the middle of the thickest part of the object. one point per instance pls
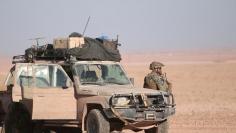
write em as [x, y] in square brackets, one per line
[92, 93]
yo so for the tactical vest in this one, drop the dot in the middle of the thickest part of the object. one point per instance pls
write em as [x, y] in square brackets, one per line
[150, 83]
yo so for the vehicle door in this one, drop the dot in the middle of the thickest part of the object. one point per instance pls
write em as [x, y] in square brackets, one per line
[49, 89]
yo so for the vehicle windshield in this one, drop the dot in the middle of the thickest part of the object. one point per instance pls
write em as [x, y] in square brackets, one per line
[101, 74]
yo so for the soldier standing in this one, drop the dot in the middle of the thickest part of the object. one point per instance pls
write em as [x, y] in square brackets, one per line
[158, 81]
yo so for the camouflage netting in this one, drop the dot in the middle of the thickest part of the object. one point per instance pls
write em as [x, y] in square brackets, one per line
[94, 49]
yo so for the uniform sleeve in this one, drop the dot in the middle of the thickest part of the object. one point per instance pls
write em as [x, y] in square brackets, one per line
[159, 82]
[145, 82]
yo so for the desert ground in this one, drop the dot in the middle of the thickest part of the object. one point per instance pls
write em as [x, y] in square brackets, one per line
[204, 86]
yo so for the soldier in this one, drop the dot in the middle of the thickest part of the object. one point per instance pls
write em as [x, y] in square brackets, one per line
[156, 79]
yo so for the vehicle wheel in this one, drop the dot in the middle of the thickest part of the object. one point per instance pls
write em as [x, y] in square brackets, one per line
[162, 128]
[96, 123]
[18, 120]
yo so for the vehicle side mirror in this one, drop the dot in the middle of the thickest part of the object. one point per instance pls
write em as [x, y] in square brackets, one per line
[131, 80]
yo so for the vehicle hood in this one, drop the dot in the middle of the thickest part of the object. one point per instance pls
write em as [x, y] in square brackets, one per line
[116, 89]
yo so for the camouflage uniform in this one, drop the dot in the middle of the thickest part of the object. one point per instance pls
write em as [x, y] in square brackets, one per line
[155, 80]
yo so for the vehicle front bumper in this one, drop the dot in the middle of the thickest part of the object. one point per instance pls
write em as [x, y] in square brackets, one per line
[143, 117]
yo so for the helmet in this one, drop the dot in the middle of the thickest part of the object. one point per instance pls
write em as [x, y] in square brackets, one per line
[155, 64]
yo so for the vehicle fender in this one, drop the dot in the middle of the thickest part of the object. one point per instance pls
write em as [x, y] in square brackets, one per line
[85, 104]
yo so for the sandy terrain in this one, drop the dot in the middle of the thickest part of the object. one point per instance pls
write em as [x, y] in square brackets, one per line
[204, 86]
[204, 89]
[205, 96]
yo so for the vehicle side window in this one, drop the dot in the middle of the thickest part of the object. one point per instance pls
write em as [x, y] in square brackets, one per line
[25, 77]
[49, 76]
[45, 76]
[60, 78]
[42, 76]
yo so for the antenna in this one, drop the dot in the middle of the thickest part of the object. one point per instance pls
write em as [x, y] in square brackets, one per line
[86, 25]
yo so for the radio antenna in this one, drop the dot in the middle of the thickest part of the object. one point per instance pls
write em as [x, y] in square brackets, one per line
[86, 25]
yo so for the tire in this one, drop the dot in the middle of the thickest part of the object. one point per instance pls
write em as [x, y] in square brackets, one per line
[96, 123]
[18, 120]
[162, 128]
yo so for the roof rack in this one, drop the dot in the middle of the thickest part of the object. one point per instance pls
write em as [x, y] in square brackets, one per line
[32, 59]
[18, 59]
[72, 49]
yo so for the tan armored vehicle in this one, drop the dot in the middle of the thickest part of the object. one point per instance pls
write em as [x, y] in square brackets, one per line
[94, 96]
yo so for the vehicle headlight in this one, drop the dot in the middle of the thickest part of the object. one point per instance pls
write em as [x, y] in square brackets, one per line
[121, 101]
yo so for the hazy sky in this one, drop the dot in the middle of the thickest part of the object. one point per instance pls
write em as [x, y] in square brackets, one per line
[141, 24]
